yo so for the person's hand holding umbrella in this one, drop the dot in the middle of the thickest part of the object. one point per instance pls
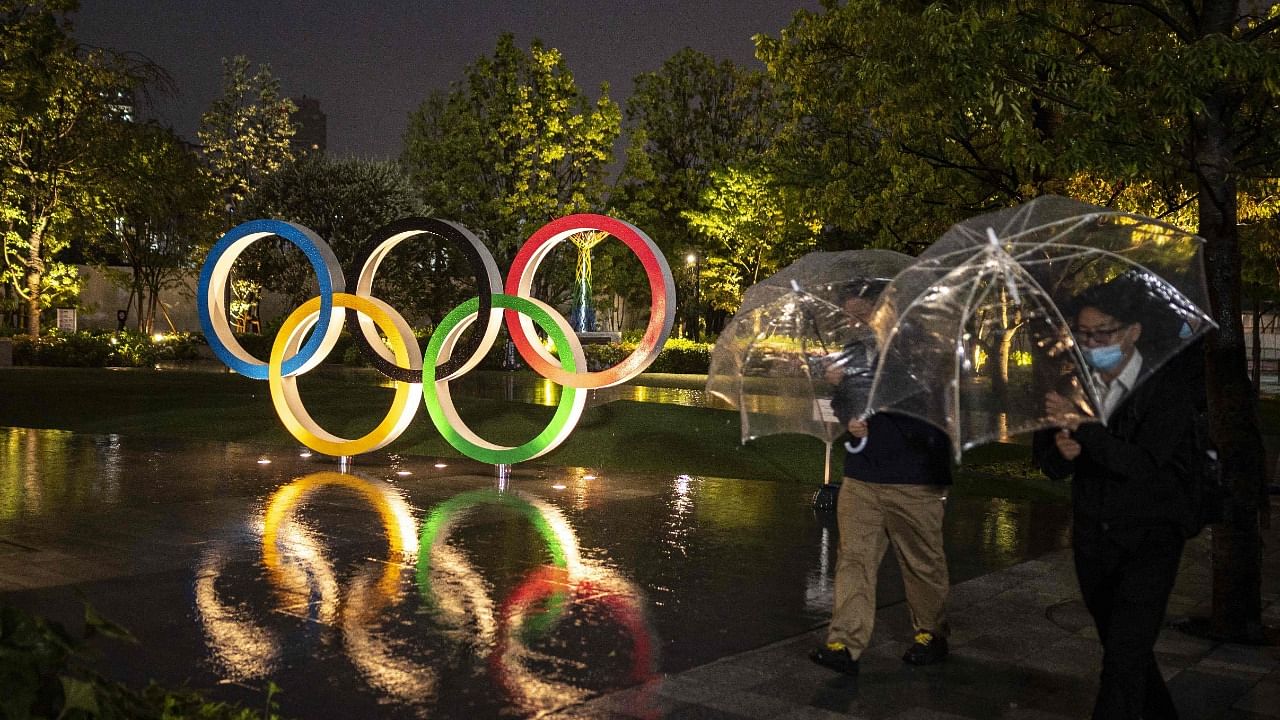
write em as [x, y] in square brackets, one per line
[1068, 416]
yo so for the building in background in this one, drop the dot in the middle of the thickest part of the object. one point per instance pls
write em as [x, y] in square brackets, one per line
[312, 134]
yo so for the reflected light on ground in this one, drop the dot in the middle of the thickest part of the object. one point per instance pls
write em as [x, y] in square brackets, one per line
[514, 660]
[302, 576]
[372, 655]
[244, 650]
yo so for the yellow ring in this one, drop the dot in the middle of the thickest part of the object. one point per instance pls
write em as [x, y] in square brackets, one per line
[397, 522]
[284, 390]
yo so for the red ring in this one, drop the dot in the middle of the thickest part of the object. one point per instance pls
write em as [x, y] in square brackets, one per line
[661, 311]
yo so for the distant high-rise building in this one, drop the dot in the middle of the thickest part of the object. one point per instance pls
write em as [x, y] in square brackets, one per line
[121, 105]
[312, 134]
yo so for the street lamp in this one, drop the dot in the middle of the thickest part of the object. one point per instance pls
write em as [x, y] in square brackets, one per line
[694, 261]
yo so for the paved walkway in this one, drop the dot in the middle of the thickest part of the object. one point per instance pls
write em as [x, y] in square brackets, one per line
[1023, 646]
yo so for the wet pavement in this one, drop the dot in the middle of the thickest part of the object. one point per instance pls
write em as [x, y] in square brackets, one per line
[410, 588]
[1022, 646]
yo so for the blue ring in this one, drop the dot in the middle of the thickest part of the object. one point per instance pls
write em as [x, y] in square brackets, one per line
[300, 237]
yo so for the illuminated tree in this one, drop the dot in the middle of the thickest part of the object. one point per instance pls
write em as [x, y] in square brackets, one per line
[512, 146]
[165, 206]
[60, 104]
[245, 133]
[245, 138]
[688, 120]
[750, 230]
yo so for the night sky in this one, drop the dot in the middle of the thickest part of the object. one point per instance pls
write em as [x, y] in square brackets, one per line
[371, 63]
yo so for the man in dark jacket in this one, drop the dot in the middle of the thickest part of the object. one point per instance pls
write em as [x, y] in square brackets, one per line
[1129, 498]
[894, 491]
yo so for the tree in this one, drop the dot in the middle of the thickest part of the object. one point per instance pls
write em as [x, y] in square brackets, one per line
[59, 106]
[344, 202]
[512, 146]
[246, 131]
[750, 230]
[245, 135]
[166, 207]
[692, 118]
[924, 113]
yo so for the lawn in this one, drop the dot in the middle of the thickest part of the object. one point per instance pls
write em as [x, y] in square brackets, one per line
[635, 436]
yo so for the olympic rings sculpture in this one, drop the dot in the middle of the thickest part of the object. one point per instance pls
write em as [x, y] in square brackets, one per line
[310, 332]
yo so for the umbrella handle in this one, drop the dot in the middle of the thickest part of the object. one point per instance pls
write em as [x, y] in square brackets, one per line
[856, 448]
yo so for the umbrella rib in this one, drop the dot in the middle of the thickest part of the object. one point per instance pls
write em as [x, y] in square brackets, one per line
[1074, 348]
[957, 448]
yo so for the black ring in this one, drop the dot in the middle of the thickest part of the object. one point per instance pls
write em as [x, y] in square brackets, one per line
[447, 231]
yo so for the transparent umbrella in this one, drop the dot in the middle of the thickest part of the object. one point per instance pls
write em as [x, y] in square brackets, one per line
[779, 357]
[977, 330]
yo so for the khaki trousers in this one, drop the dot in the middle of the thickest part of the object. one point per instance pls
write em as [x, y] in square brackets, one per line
[871, 515]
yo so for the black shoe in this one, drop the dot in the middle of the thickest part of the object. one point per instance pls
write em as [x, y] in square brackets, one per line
[835, 656]
[927, 649]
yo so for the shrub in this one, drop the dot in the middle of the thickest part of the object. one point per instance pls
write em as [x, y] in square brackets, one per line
[48, 673]
[89, 348]
[677, 356]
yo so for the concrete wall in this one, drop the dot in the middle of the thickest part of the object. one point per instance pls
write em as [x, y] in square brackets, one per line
[100, 299]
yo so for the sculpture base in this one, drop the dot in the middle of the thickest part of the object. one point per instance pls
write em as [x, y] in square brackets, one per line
[599, 338]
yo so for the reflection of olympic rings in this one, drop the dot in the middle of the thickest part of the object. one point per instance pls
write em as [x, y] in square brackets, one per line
[439, 559]
[301, 573]
[292, 356]
[397, 520]
[599, 586]
[515, 644]
[553, 589]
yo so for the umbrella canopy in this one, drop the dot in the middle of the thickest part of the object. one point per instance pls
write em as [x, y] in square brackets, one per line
[771, 364]
[978, 330]
[826, 274]
[777, 357]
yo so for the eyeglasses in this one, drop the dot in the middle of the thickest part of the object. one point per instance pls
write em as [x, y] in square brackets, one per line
[1099, 335]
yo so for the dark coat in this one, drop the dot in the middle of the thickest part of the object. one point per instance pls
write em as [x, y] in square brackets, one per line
[900, 449]
[1134, 471]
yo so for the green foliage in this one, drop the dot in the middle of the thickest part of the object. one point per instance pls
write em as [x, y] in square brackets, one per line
[166, 203]
[344, 202]
[752, 230]
[688, 120]
[677, 356]
[512, 146]
[86, 348]
[245, 133]
[59, 110]
[690, 123]
[904, 118]
[46, 672]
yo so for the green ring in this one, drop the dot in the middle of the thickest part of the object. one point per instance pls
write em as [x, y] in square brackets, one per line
[540, 442]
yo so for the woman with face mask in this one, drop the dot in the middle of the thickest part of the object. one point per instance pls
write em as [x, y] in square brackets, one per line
[1127, 494]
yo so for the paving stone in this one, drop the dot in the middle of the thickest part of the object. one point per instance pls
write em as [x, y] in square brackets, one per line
[1263, 699]
[809, 712]
[1202, 696]
[1244, 658]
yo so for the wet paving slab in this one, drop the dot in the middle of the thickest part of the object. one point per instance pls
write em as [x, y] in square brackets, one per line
[418, 587]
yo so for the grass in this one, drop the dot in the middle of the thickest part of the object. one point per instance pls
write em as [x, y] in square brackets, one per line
[622, 435]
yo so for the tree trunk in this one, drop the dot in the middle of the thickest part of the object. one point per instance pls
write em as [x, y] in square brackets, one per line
[1237, 546]
[1255, 362]
[35, 275]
